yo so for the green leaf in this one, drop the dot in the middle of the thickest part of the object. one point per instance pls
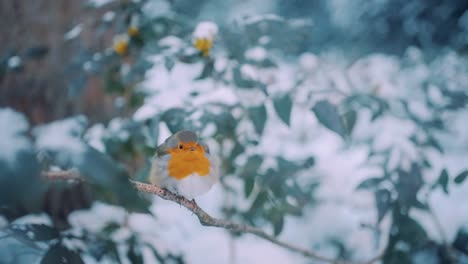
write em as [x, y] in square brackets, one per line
[251, 166]
[110, 228]
[383, 201]
[107, 177]
[113, 82]
[174, 119]
[20, 182]
[349, 120]
[169, 63]
[189, 56]
[58, 254]
[278, 225]
[110, 177]
[369, 183]
[443, 180]
[150, 130]
[36, 52]
[248, 186]
[134, 254]
[237, 150]
[426, 163]
[461, 177]
[408, 185]
[258, 116]
[224, 120]
[259, 201]
[409, 231]
[283, 106]
[431, 141]
[248, 173]
[327, 114]
[207, 71]
[242, 82]
[461, 241]
[287, 167]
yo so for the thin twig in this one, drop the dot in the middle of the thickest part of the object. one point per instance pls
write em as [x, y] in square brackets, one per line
[207, 220]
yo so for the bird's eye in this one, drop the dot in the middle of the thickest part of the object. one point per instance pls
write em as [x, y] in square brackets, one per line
[181, 147]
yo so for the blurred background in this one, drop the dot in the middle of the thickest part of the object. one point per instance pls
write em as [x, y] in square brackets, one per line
[340, 127]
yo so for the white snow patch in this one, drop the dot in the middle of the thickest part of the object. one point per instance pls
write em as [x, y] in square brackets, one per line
[74, 32]
[256, 54]
[100, 3]
[12, 135]
[62, 135]
[205, 30]
[14, 62]
[97, 217]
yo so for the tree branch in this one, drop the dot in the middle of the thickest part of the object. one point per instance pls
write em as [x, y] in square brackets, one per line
[207, 220]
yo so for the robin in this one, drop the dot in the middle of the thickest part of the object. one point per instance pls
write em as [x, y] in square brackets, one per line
[183, 164]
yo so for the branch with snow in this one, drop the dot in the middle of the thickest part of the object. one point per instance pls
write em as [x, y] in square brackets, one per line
[207, 220]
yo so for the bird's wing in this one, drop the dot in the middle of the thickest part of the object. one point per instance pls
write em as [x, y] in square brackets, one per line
[205, 146]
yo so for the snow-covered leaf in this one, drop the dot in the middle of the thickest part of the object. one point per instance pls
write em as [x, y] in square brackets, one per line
[35, 232]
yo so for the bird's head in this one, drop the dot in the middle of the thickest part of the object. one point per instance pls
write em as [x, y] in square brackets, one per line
[187, 155]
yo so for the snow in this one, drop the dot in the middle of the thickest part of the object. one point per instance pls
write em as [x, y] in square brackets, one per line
[12, 135]
[308, 62]
[375, 73]
[249, 72]
[205, 30]
[63, 134]
[74, 32]
[43, 219]
[94, 135]
[106, 214]
[258, 18]
[153, 9]
[108, 16]
[120, 38]
[171, 42]
[14, 62]
[100, 3]
[3, 222]
[256, 54]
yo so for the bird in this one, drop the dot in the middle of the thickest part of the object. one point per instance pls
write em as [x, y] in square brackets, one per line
[183, 165]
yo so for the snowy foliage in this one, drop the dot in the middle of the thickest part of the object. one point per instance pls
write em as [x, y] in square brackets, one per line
[344, 154]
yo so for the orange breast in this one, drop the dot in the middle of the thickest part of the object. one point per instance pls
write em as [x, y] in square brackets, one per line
[186, 160]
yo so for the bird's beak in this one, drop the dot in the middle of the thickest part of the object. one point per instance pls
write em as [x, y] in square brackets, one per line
[192, 149]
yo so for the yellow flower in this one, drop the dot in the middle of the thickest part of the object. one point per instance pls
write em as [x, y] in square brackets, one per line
[120, 45]
[204, 35]
[204, 45]
[132, 31]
